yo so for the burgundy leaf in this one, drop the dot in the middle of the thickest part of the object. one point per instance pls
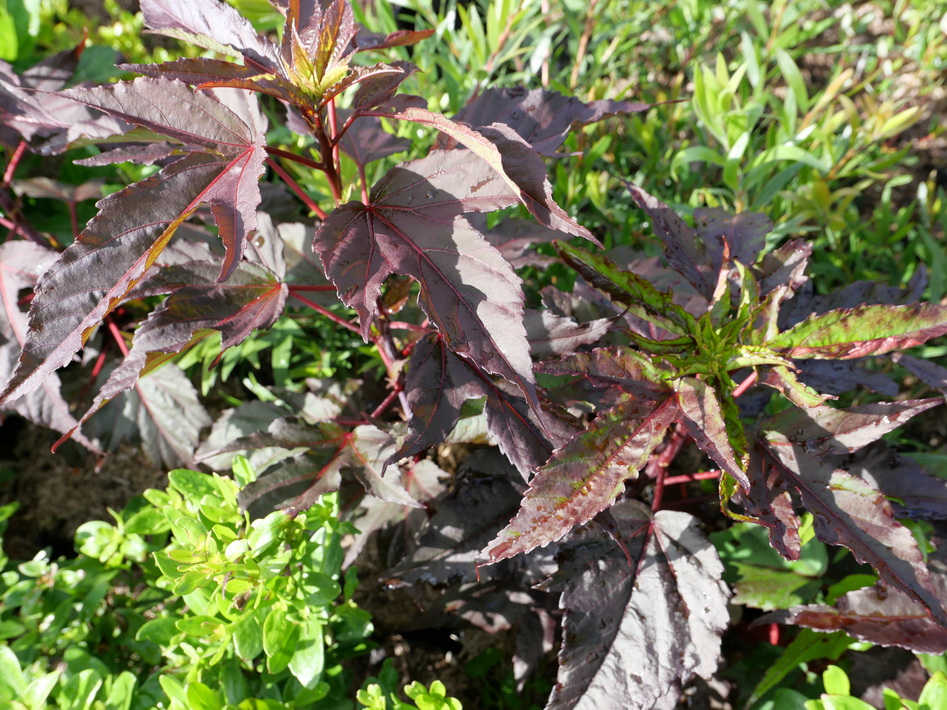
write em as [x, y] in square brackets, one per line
[141, 154]
[850, 512]
[234, 424]
[785, 266]
[423, 481]
[865, 330]
[634, 634]
[525, 435]
[380, 88]
[21, 264]
[543, 118]
[504, 151]
[683, 246]
[551, 335]
[366, 41]
[437, 385]
[916, 494]
[293, 484]
[135, 224]
[210, 24]
[515, 238]
[469, 517]
[54, 190]
[616, 366]
[367, 141]
[252, 299]
[362, 451]
[586, 475]
[931, 374]
[840, 376]
[413, 225]
[878, 614]
[745, 233]
[769, 501]
[821, 430]
[704, 420]
[162, 411]
[207, 73]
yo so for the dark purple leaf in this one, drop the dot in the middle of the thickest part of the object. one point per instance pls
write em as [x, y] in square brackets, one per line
[929, 373]
[634, 634]
[413, 225]
[367, 141]
[514, 238]
[550, 335]
[21, 264]
[850, 512]
[54, 190]
[135, 224]
[423, 481]
[704, 419]
[683, 246]
[840, 376]
[745, 233]
[824, 430]
[769, 502]
[367, 41]
[543, 118]
[437, 385]
[252, 299]
[587, 475]
[785, 266]
[210, 24]
[162, 411]
[916, 494]
[293, 483]
[618, 366]
[878, 614]
[466, 519]
[362, 451]
[505, 152]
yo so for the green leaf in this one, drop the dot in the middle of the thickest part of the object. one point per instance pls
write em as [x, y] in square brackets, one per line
[121, 691]
[280, 637]
[934, 695]
[308, 659]
[192, 484]
[248, 634]
[866, 330]
[12, 683]
[808, 646]
[201, 697]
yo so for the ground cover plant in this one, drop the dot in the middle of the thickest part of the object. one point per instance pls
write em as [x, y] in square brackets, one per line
[592, 373]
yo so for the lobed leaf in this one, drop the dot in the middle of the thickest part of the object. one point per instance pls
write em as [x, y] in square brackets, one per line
[850, 512]
[635, 633]
[543, 118]
[134, 225]
[413, 225]
[824, 430]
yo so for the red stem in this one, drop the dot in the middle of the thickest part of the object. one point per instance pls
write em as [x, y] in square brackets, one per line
[302, 160]
[294, 288]
[746, 384]
[688, 477]
[14, 161]
[380, 409]
[117, 334]
[327, 313]
[294, 186]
